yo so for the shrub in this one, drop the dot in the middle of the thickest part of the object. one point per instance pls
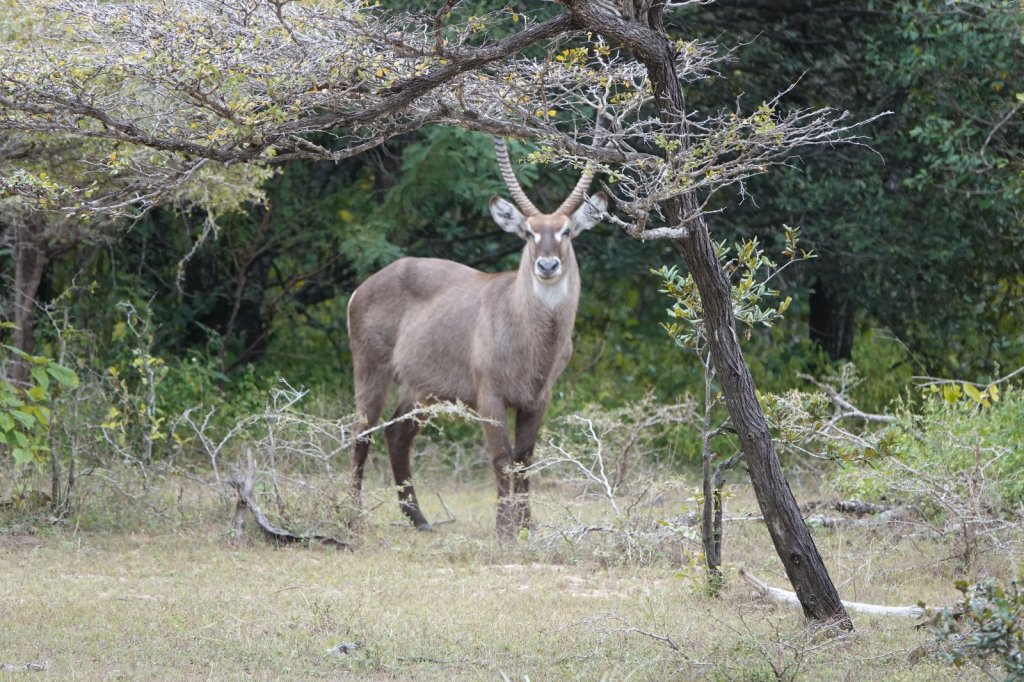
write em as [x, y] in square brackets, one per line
[25, 410]
[961, 440]
[987, 628]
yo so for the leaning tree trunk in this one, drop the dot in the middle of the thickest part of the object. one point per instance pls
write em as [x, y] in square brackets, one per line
[641, 30]
[789, 533]
[29, 263]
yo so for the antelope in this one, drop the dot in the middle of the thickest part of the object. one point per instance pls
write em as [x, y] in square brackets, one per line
[443, 331]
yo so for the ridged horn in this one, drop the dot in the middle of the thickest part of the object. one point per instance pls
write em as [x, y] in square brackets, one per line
[579, 192]
[509, 176]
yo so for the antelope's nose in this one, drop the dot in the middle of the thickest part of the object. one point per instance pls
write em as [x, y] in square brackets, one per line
[548, 267]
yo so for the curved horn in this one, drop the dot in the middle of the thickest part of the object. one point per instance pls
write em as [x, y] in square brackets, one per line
[578, 193]
[509, 175]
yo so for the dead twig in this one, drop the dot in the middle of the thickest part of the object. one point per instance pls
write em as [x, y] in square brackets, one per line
[451, 517]
[847, 410]
[280, 535]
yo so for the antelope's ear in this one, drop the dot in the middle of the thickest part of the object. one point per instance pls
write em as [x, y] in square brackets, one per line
[508, 217]
[589, 214]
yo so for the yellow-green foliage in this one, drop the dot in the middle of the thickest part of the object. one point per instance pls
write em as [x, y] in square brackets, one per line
[963, 434]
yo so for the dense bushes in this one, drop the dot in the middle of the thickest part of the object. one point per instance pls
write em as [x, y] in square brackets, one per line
[966, 446]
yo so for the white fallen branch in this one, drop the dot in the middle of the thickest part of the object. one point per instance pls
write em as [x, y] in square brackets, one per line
[786, 597]
[24, 667]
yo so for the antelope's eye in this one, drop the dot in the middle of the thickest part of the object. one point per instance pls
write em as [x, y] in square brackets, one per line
[565, 231]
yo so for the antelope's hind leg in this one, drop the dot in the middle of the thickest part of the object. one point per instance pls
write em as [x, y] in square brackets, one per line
[371, 394]
[372, 387]
[399, 436]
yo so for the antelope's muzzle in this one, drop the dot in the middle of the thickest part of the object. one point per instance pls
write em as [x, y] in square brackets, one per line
[548, 268]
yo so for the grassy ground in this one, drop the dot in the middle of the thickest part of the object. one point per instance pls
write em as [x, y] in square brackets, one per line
[180, 601]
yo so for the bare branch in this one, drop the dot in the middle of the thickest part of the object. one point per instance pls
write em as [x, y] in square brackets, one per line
[847, 409]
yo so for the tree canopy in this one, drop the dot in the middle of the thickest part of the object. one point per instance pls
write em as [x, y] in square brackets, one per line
[199, 82]
[149, 101]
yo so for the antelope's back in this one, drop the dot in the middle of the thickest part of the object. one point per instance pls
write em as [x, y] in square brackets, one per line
[418, 316]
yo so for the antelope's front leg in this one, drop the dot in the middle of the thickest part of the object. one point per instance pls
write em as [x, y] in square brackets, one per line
[496, 435]
[528, 424]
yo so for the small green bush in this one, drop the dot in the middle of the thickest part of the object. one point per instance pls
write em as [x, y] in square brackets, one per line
[961, 436]
[988, 627]
[25, 410]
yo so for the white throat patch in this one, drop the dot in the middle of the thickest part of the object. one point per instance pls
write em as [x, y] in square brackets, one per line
[553, 294]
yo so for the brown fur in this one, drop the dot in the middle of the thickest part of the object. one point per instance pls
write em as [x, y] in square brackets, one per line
[444, 331]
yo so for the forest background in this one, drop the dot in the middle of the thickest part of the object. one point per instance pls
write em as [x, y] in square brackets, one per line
[917, 236]
[241, 279]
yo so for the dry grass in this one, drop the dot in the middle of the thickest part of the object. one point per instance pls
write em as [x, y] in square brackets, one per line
[180, 601]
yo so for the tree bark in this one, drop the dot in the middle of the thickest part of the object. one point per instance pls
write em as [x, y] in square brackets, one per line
[641, 31]
[29, 262]
[791, 537]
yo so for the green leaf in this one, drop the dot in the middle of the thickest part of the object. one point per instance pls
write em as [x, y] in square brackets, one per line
[22, 456]
[64, 376]
[972, 392]
[26, 419]
[17, 351]
[37, 393]
[40, 377]
[41, 413]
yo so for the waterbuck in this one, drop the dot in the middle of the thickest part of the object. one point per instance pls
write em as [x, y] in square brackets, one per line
[444, 331]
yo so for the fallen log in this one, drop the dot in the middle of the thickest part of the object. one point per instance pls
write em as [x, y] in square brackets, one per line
[270, 531]
[786, 597]
[860, 508]
[282, 535]
[885, 518]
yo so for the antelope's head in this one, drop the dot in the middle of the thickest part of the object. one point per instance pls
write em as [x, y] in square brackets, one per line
[548, 236]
